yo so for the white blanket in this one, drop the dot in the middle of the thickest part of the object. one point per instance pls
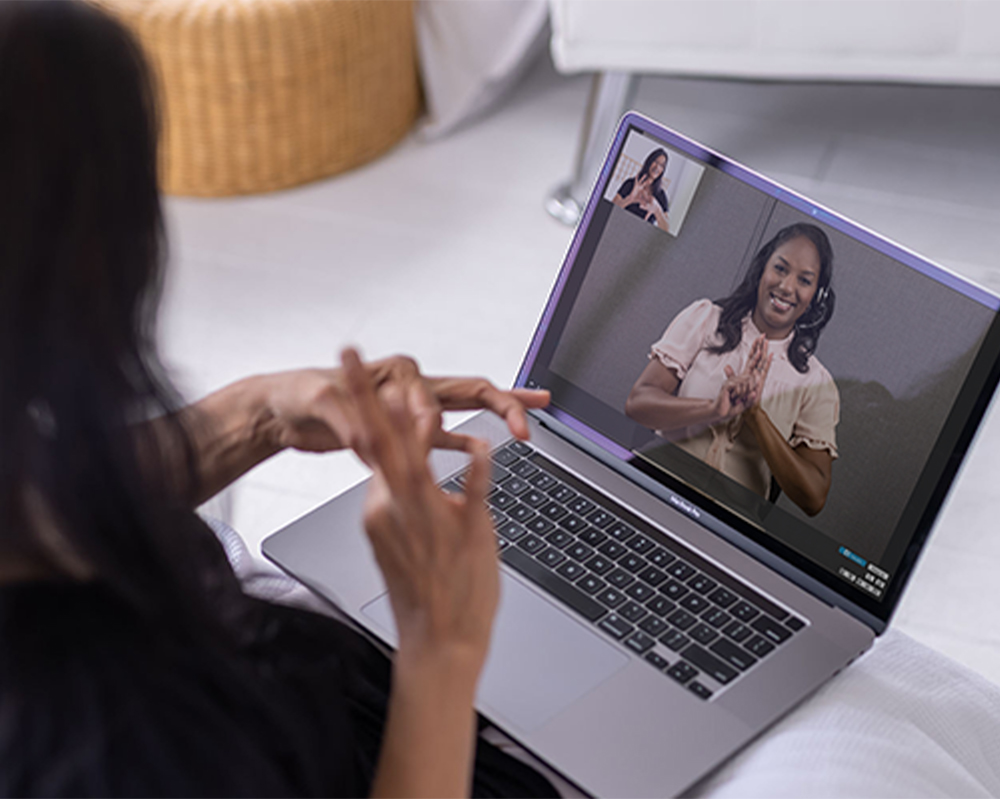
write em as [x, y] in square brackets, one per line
[901, 721]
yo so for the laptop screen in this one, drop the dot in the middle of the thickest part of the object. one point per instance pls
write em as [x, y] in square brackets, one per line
[778, 368]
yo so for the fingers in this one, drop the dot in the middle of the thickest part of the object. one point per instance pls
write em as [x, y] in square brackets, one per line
[475, 393]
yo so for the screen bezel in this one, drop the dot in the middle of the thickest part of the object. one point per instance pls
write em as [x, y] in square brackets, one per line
[985, 370]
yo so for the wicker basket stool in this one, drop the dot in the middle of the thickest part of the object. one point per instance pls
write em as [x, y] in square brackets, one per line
[259, 95]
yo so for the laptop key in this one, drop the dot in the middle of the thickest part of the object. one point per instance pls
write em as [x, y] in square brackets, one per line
[581, 506]
[525, 470]
[553, 511]
[682, 672]
[496, 517]
[573, 523]
[504, 457]
[556, 586]
[716, 617]
[694, 603]
[520, 448]
[657, 660]
[501, 500]
[640, 544]
[771, 630]
[702, 584]
[621, 531]
[612, 549]
[699, 690]
[590, 584]
[551, 557]
[521, 513]
[511, 530]
[674, 640]
[681, 570]
[744, 611]
[632, 563]
[639, 642]
[723, 597]
[541, 480]
[619, 578]
[540, 526]
[612, 597]
[653, 626]
[673, 589]
[563, 494]
[661, 606]
[660, 557]
[600, 518]
[600, 566]
[733, 655]
[703, 634]
[559, 539]
[759, 646]
[534, 498]
[615, 626]
[632, 611]
[531, 544]
[515, 486]
[652, 576]
[710, 664]
[681, 619]
[592, 536]
[580, 552]
[794, 624]
[737, 631]
[640, 592]
[571, 570]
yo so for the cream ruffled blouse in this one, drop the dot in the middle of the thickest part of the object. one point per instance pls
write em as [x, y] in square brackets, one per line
[805, 408]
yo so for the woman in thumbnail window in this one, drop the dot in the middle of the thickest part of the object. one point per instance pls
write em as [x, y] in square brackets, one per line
[642, 195]
[736, 383]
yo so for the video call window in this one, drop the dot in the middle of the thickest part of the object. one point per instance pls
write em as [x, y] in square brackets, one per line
[795, 375]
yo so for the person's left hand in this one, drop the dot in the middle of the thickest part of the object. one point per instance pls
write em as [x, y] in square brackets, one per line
[311, 409]
[748, 387]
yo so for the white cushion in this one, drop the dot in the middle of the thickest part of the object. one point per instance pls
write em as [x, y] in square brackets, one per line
[926, 41]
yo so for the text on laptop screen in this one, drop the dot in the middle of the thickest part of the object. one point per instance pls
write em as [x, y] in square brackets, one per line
[710, 325]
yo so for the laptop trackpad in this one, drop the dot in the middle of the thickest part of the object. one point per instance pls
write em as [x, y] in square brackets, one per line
[541, 660]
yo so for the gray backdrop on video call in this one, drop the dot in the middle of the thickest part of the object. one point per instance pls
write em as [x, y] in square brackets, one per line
[898, 345]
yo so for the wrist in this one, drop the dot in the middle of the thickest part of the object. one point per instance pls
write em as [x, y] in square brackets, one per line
[263, 427]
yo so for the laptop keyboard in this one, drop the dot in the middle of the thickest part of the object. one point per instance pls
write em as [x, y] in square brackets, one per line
[684, 616]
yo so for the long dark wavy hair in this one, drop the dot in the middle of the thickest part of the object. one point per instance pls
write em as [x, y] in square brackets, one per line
[85, 489]
[744, 299]
[648, 163]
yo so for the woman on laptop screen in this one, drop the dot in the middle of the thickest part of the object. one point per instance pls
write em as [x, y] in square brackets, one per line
[643, 195]
[736, 384]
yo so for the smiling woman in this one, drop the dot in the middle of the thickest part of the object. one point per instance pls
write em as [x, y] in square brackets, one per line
[736, 383]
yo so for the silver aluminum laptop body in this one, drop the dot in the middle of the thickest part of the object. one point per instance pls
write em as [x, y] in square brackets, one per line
[603, 715]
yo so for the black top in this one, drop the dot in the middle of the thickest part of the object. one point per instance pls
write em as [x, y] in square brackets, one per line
[660, 196]
[93, 701]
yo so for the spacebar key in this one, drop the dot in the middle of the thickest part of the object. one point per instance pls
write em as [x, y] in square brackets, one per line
[558, 587]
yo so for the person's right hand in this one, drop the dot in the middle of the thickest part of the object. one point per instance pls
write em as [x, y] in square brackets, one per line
[743, 390]
[437, 551]
[641, 193]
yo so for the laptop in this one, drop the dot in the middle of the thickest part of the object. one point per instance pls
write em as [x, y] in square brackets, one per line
[672, 585]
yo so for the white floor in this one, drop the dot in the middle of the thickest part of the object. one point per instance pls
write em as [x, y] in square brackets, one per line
[442, 250]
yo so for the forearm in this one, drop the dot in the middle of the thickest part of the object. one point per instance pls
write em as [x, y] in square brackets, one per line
[658, 410]
[802, 481]
[230, 430]
[429, 742]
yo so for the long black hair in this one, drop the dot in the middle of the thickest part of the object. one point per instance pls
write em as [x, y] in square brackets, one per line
[647, 165]
[744, 299]
[85, 487]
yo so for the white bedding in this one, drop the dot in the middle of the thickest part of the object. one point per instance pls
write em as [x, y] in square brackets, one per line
[901, 721]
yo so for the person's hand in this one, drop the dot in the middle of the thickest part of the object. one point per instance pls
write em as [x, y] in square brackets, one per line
[740, 392]
[641, 192]
[437, 551]
[310, 409]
